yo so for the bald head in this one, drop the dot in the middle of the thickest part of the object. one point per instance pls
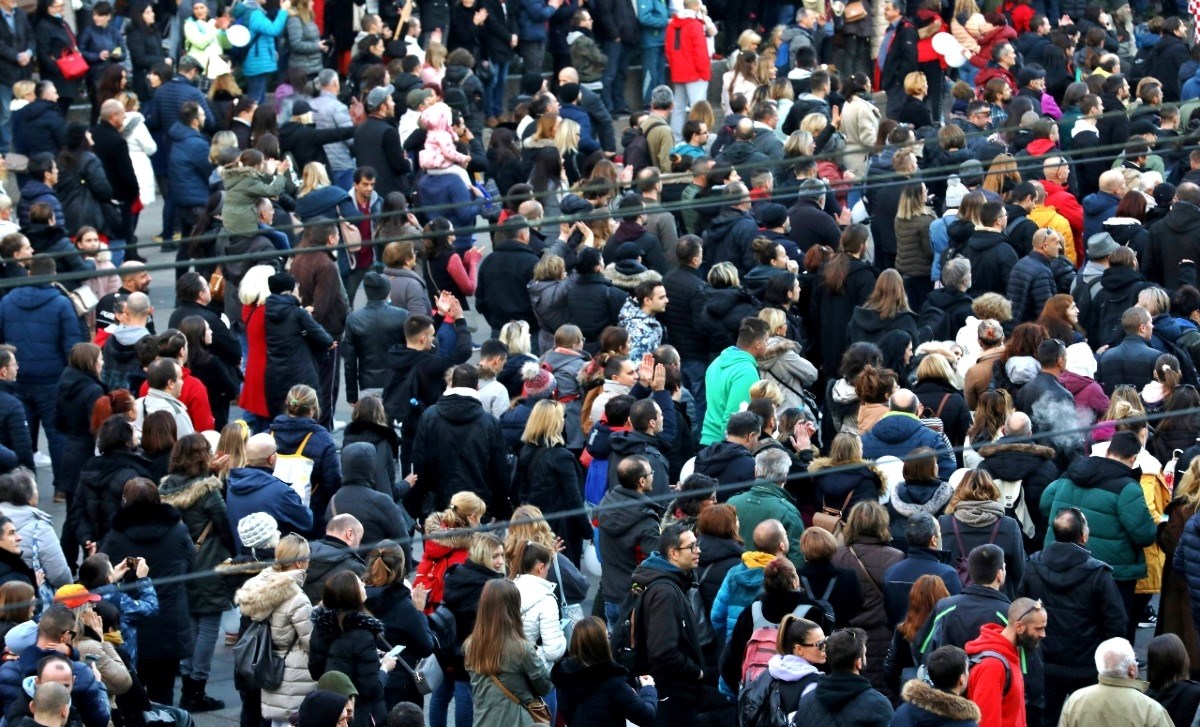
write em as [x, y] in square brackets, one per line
[138, 308]
[1113, 182]
[531, 210]
[745, 129]
[111, 108]
[346, 528]
[51, 704]
[903, 400]
[1188, 192]
[1022, 609]
[568, 75]
[770, 537]
[260, 448]
[1018, 425]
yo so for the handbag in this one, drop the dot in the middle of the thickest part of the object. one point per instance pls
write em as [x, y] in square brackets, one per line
[539, 713]
[351, 236]
[254, 658]
[572, 613]
[82, 298]
[71, 64]
[427, 676]
[854, 12]
[831, 519]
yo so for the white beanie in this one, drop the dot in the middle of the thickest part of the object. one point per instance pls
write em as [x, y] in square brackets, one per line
[1081, 361]
[258, 530]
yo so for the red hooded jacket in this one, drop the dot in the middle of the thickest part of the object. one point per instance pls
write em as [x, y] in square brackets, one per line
[687, 48]
[986, 686]
[1062, 200]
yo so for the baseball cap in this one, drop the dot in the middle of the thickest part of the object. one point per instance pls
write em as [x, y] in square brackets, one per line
[378, 96]
[74, 595]
[416, 97]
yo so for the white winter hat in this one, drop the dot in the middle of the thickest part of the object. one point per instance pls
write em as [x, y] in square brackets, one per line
[1081, 361]
[258, 530]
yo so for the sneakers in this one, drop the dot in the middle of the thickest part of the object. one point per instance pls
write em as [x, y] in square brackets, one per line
[41, 460]
[338, 425]
[1149, 618]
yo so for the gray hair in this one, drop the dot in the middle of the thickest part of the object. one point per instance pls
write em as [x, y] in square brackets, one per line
[1114, 657]
[990, 332]
[326, 78]
[802, 13]
[956, 274]
[920, 529]
[812, 188]
[772, 464]
[662, 98]
[1018, 425]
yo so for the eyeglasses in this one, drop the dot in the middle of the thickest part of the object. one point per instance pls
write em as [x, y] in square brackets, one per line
[819, 646]
[1037, 606]
[647, 474]
[694, 546]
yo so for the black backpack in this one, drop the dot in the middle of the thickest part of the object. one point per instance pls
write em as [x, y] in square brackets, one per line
[822, 602]
[627, 631]
[637, 152]
[960, 563]
[759, 703]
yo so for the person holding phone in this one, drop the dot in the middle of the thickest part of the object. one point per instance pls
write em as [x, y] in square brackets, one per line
[97, 653]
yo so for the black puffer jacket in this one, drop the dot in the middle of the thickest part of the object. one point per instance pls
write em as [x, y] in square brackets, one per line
[955, 414]
[834, 311]
[729, 238]
[402, 624]
[387, 450]
[294, 343]
[594, 304]
[724, 309]
[351, 646]
[686, 294]
[156, 532]
[1172, 239]
[992, 260]
[478, 463]
[371, 331]
[1082, 603]
[464, 585]
[361, 497]
[101, 484]
[1119, 288]
[955, 304]
[629, 524]
[599, 695]
[867, 325]
[551, 480]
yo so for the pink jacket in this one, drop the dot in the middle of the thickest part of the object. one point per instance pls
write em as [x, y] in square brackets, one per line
[1088, 394]
[439, 151]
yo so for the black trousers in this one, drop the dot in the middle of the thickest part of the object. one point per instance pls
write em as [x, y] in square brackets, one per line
[158, 676]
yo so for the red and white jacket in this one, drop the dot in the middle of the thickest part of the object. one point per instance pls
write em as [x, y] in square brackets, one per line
[687, 48]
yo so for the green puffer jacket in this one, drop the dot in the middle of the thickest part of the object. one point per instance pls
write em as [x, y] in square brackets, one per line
[1120, 525]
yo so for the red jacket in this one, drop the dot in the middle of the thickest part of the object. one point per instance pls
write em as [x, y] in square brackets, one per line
[991, 71]
[195, 397]
[995, 36]
[254, 390]
[440, 554]
[687, 48]
[986, 685]
[1066, 204]
[928, 25]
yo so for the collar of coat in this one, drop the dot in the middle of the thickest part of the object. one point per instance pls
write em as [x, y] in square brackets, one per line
[939, 703]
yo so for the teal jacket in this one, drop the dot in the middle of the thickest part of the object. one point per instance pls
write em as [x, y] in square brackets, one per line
[653, 16]
[766, 500]
[261, 57]
[1119, 522]
[727, 385]
[742, 583]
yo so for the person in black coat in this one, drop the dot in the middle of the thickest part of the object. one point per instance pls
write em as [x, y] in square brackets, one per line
[145, 39]
[937, 394]
[99, 493]
[14, 431]
[110, 147]
[146, 528]
[193, 298]
[594, 303]
[304, 140]
[598, 694]
[78, 390]
[365, 499]
[901, 58]
[914, 112]
[819, 574]
[41, 126]
[1131, 361]
[843, 284]
[501, 294]
[294, 341]
[687, 291]
[16, 64]
[464, 585]
[53, 37]
[724, 307]
[1119, 288]
[868, 324]
[347, 638]
[810, 223]
[403, 621]
[991, 257]
[377, 145]
[550, 476]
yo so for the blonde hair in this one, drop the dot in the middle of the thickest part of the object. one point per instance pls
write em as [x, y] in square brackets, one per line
[315, 177]
[233, 443]
[888, 298]
[814, 123]
[774, 318]
[435, 55]
[479, 551]
[254, 289]
[915, 82]
[845, 449]
[1124, 403]
[21, 89]
[549, 267]
[767, 389]
[303, 10]
[515, 335]
[976, 486]
[302, 401]
[291, 552]
[545, 425]
[935, 366]
[1188, 489]
[748, 40]
[462, 506]
[724, 275]
[527, 524]
[221, 141]
[566, 136]
[797, 144]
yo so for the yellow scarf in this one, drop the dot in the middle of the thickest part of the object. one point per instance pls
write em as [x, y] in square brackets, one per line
[756, 559]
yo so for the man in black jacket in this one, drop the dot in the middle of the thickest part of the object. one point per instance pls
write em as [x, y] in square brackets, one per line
[367, 499]
[478, 462]
[16, 59]
[686, 293]
[1113, 126]
[730, 236]
[618, 34]
[1167, 56]
[1031, 282]
[377, 144]
[1082, 603]
[653, 422]
[595, 303]
[1173, 238]
[1131, 361]
[897, 55]
[110, 146]
[304, 140]
[334, 553]
[629, 521]
[371, 332]
[1014, 460]
[955, 620]
[991, 257]
[192, 298]
[501, 294]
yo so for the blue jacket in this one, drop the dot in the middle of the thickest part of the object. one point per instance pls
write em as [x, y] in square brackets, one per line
[532, 16]
[39, 127]
[255, 489]
[742, 583]
[1097, 207]
[134, 606]
[1187, 561]
[587, 135]
[189, 166]
[1130, 362]
[261, 57]
[439, 189]
[327, 466]
[653, 16]
[162, 111]
[899, 579]
[14, 429]
[43, 323]
[88, 696]
[33, 192]
[898, 433]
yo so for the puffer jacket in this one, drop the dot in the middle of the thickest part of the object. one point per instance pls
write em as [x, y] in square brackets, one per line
[1118, 518]
[629, 529]
[199, 501]
[846, 486]
[303, 40]
[724, 309]
[540, 616]
[444, 548]
[351, 644]
[599, 695]
[1033, 466]
[289, 433]
[370, 332]
[910, 498]
[549, 300]
[43, 322]
[1030, 285]
[742, 583]
[38, 538]
[277, 596]
[898, 433]
[914, 251]
[98, 497]
[785, 365]
[992, 260]
[261, 57]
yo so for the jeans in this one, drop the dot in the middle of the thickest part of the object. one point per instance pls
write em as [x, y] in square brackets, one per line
[439, 703]
[256, 87]
[6, 97]
[39, 400]
[206, 628]
[533, 55]
[686, 94]
[493, 92]
[654, 72]
[613, 93]
[187, 222]
[327, 371]
[343, 178]
[612, 614]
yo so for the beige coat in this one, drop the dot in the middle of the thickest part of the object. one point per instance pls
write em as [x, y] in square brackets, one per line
[1115, 702]
[277, 595]
[860, 126]
[113, 671]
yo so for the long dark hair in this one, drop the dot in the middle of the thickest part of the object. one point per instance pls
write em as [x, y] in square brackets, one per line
[504, 141]
[193, 328]
[547, 168]
[854, 241]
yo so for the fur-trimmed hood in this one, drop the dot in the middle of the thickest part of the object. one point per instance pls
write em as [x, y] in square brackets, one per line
[626, 274]
[267, 591]
[182, 492]
[933, 506]
[437, 530]
[999, 447]
[939, 703]
[778, 346]
[326, 620]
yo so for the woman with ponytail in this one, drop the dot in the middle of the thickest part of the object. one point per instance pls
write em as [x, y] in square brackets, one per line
[1167, 378]
[447, 537]
[400, 610]
[843, 284]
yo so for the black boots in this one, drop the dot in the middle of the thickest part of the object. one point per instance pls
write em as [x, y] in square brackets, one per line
[195, 700]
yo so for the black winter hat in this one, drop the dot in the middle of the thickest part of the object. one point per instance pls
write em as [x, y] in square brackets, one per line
[281, 283]
[321, 709]
[377, 286]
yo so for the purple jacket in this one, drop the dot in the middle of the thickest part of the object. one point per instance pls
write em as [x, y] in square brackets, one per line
[1088, 394]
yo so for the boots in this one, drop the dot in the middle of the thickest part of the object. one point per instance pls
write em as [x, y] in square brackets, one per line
[195, 700]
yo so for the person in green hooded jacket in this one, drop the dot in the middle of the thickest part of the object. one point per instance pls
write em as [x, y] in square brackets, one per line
[729, 378]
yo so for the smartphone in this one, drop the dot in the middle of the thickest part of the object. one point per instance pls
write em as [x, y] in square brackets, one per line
[575, 238]
[395, 652]
[91, 659]
[131, 563]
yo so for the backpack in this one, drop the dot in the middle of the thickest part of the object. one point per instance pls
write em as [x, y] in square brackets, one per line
[296, 470]
[595, 485]
[960, 563]
[931, 321]
[254, 657]
[761, 646]
[822, 602]
[990, 654]
[637, 152]
[759, 704]
[455, 97]
[625, 634]
[932, 418]
[705, 634]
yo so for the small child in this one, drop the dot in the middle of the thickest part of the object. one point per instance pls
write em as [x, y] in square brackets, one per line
[963, 94]
[98, 575]
[440, 156]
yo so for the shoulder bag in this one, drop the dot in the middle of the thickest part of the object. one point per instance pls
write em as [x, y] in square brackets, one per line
[427, 676]
[831, 519]
[538, 712]
[296, 470]
[71, 64]
[572, 613]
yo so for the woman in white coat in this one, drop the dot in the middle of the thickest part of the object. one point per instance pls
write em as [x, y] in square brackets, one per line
[276, 594]
[141, 148]
[529, 570]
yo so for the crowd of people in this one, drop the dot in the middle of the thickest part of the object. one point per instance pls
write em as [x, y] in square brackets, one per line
[858, 366]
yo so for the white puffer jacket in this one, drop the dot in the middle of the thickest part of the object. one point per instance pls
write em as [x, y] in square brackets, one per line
[278, 595]
[539, 615]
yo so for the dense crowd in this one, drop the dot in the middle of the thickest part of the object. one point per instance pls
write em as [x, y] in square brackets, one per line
[858, 366]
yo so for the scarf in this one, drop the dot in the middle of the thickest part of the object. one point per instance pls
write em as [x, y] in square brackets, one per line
[978, 513]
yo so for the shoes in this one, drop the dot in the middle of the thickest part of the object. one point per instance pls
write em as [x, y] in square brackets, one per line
[195, 700]
[41, 460]
[1149, 618]
[60, 497]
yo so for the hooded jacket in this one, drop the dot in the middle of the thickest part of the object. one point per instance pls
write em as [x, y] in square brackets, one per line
[1083, 607]
[98, 496]
[290, 432]
[202, 509]
[730, 236]
[190, 167]
[741, 584]
[371, 331]
[276, 597]
[764, 501]
[360, 496]
[599, 695]
[1118, 518]
[349, 642]
[256, 489]
[42, 321]
[1172, 240]
[869, 326]
[724, 309]
[328, 556]
[1098, 207]
[909, 498]
[669, 649]
[478, 464]
[294, 341]
[729, 462]
[843, 698]
[629, 529]
[926, 706]
[986, 687]
[261, 56]
[89, 697]
[898, 433]
[1090, 399]
[992, 260]
[1119, 288]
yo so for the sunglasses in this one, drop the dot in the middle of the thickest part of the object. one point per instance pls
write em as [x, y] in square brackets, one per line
[819, 646]
[1037, 606]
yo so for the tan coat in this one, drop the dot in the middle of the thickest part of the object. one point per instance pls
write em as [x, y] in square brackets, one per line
[1114, 702]
[277, 595]
[860, 126]
[113, 671]
[979, 376]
